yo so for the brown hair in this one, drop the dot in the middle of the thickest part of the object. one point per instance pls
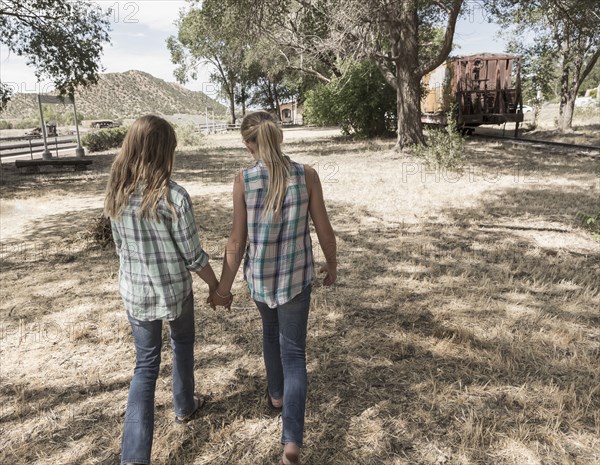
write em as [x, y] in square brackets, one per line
[145, 161]
[261, 128]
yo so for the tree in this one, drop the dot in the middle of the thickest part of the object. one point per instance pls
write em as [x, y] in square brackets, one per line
[211, 34]
[62, 40]
[538, 70]
[293, 31]
[250, 71]
[268, 90]
[400, 36]
[571, 28]
[5, 96]
[270, 81]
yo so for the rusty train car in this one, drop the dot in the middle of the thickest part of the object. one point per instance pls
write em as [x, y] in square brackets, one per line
[486, 89]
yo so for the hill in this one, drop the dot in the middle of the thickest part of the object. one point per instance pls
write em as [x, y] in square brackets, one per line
[125, 95]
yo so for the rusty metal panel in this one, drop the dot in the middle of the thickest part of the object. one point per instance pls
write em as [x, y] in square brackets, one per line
[481, 85]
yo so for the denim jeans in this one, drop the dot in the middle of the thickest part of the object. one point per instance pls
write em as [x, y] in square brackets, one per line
[139, 417]
[284, 351]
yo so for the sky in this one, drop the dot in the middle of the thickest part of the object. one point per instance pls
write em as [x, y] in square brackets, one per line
[140, 30]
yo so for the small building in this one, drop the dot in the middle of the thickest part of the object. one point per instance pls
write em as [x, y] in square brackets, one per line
[291, 112]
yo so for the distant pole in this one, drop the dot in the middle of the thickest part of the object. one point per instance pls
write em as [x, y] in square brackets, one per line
[79, 152]
[214, 122]
[206, 120]
[294, 110]
[46, 155]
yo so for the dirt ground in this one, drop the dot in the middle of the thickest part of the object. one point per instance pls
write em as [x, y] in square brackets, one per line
[464, 329]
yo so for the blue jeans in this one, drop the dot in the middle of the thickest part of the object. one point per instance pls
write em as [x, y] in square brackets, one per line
[284, 351]
[139, 417]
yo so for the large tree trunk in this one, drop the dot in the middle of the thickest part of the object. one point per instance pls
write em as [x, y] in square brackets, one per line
[269, 92]
[568, 92]
[277, 106]
[232, 107]
[408, 106]
[570, 84]
[408, 89]
[243, 98]
[565, 114]
[228, 81]
[567, 101]
[230, 91]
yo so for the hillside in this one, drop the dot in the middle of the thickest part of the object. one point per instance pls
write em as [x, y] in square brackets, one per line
[125, 95]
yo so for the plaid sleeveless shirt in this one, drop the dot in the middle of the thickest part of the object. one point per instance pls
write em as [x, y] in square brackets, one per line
[278, 263]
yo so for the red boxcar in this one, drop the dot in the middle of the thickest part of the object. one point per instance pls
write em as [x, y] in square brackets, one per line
[486, 89]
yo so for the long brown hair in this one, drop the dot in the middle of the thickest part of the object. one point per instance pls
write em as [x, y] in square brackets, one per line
[261, 128]
[145, 161]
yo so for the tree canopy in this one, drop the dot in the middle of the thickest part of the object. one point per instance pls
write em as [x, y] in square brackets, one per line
[248, 69]
[404, 38]
[209, 33]
[62, 40]
[566, 32]
[270, 48]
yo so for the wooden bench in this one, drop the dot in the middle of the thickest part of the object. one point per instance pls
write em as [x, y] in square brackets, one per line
[33, 166]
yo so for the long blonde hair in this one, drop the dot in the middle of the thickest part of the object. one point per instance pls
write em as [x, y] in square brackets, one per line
[145, 161]
[261, 128]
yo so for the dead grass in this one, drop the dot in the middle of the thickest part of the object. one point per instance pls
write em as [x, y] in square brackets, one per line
[465, 328]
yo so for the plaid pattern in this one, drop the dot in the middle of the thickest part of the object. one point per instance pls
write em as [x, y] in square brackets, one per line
[156, 258]
[278, 264]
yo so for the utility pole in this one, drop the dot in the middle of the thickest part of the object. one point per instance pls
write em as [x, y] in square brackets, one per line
[79, 151]
[46, 155]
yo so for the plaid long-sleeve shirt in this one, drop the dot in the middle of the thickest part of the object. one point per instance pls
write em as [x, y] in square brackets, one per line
[156, 258]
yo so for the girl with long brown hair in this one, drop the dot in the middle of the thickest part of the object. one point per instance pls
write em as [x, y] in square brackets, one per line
[157, 242]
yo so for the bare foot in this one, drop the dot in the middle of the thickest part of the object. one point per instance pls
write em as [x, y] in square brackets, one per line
[291, 454]
[277, 403]
[274, 403]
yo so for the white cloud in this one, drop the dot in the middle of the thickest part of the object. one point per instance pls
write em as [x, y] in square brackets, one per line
[138, 36]
[158, 15]
[15, 73]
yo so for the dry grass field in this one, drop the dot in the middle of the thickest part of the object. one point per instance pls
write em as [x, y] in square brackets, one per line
[464, 328]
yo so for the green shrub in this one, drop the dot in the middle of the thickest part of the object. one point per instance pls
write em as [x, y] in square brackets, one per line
[5, 124]
[361, 102]
[188, 136]
[443, 148]
[61, 114]
[104, 139]
[591, 222]
[27, 124]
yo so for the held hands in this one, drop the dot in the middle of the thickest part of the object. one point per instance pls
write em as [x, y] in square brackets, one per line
[331, 273]
[215, 298]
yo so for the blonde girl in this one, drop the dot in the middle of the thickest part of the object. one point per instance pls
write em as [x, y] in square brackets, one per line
[272, 203]
[156, 239]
